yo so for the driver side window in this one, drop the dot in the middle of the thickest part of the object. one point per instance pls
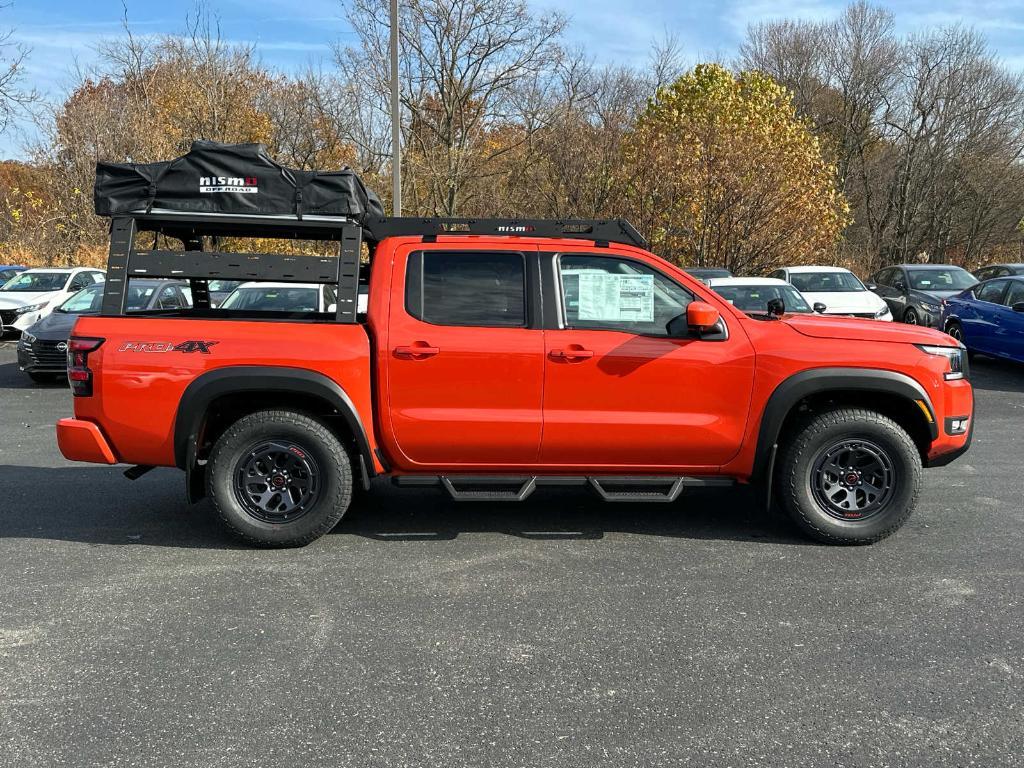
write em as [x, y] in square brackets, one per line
[618, 294]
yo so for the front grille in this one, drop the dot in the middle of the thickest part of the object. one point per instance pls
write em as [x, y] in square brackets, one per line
[864, 315]
[44, 354]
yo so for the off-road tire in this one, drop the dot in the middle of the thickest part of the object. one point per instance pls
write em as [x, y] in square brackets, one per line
[316, 441]
[811, 439]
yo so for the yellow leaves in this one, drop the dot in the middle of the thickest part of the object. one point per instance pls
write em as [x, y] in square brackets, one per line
[757, 187]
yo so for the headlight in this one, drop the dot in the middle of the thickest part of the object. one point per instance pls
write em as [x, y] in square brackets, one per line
[882, 312]
[30, 308]
[955, 356]
[929, 307]
[27, 338]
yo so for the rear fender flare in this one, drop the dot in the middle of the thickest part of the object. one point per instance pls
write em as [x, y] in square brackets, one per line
[200, 393]
[822, 380]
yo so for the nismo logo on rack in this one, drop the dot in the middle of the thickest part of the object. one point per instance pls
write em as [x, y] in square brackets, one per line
[243, 184]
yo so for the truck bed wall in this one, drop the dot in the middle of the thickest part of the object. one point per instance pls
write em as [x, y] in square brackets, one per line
[139, 377]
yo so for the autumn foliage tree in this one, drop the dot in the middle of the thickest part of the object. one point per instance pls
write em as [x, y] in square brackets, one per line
[721, 171]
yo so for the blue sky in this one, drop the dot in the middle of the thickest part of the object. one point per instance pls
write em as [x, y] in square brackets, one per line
[289, 34]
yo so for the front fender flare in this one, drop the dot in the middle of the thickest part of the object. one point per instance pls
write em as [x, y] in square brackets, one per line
[816, 380]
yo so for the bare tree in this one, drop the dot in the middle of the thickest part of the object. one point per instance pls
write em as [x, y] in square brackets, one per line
[15, 96]
[470, 71]
[925, 131]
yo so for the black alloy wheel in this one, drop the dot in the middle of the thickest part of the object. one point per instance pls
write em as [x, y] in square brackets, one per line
[853, 479]
[277, 481]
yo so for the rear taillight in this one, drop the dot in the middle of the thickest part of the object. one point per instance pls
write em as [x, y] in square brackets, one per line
[79, 374]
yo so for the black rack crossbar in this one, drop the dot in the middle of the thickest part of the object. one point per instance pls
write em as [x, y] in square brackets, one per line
[217, 265]
[599, 230]
[185, 225]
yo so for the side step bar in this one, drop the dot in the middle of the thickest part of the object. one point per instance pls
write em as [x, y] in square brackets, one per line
[634, 488]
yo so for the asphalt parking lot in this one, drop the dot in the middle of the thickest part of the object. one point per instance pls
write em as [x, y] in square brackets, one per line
[561, 632]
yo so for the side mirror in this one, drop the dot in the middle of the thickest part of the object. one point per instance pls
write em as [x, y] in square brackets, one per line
[871, 286]
[700, 315]
[819, 307]
[1018, 306]
[776, 307]
[900, 286]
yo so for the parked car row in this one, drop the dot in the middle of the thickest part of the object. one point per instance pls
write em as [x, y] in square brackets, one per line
[32, 294]
[984, 310]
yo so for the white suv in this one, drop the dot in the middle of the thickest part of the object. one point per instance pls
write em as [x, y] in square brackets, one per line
[32, 294]
[838, 289]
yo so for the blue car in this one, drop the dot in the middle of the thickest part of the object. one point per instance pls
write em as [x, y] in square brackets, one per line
[7, 271]
[989, 318]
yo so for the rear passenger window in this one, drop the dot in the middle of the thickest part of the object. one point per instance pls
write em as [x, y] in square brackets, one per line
[467, 288]
[1016, 293]
[992, 291]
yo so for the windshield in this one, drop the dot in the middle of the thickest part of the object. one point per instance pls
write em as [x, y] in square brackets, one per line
[826, 282]
[88, 300]
[85, 301]
[952, 279]
[36, 282]
[273, 299]
[755, 298]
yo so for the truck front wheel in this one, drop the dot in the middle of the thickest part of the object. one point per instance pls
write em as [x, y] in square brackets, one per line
[279, 478]
[849, 476]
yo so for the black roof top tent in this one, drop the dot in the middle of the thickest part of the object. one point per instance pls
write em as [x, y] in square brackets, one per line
[126, 260]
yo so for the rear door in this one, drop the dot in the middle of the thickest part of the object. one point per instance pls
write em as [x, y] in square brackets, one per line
[618, 390]
[465, 359]
[1010, 331]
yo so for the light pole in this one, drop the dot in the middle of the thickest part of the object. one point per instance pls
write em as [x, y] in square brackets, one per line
[396, 118]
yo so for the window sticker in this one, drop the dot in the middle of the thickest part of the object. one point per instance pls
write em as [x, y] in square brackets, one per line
[615, 298]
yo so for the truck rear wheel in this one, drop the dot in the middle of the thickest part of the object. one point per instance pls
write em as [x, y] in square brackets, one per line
[849, 476]
[279, 478]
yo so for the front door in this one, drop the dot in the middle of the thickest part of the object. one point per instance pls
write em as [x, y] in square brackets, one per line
[465, 359]
[619, 391]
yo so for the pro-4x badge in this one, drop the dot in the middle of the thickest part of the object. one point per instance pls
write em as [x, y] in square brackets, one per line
[202, 347]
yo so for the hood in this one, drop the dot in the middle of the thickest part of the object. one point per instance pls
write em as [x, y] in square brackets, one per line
[54, 327]
[855, 329]
[934, 297]
[15, 299]
[845, 302]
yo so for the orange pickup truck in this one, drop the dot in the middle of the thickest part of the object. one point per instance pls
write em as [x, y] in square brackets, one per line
[495, 356]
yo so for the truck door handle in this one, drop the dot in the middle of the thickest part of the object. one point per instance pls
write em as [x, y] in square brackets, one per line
[571, 354]
[418, 350]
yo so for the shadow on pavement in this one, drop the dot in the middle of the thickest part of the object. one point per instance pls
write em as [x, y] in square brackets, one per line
[990, 374]
[97, 505]
[12, 378]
